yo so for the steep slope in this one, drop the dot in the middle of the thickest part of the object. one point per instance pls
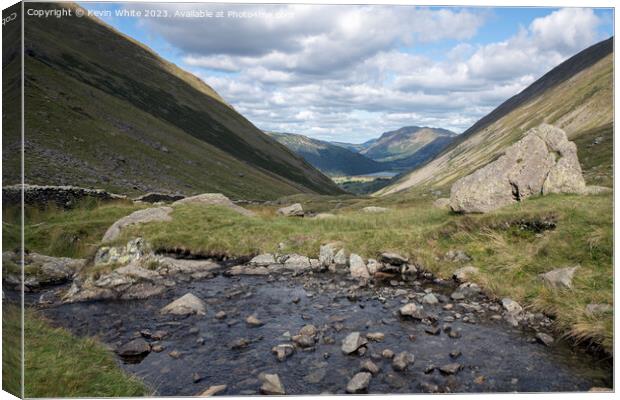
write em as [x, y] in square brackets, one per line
[576, 96]
[103, 110]
[329, 158]
[405, 142]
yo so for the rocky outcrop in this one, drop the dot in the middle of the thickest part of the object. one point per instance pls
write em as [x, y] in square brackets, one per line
[39, 270]
[214, 199]
[61, 196]
[294, 210]
[543, 162]
[156, 214]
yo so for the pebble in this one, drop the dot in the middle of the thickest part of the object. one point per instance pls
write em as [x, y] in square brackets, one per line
[450, 369]
[253, 321]
[221, 315]
[359, 383]
[271, 384]
[370, 366]
[387, 353]
[376, 336]
[401, 361]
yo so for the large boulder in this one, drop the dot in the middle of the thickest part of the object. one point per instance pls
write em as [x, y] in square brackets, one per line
[155, 214]
[294, 210]
[543, 162]
[214, 199]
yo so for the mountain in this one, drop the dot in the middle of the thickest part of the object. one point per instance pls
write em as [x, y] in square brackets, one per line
[355, 147]
[103, 110]
[576, 96]
[405, 142]
[327, 157]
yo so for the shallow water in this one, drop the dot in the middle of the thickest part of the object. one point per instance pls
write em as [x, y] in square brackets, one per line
[495, 357]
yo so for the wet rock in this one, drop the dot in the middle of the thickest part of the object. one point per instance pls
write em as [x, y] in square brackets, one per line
[370, 366]
[387, 353]
[340, 259]
[542, 162]
[196, 377]
[401, 361]
[559, 278]
[544, 338]
[511, 306]
[156, 214]
[263, 260]
[413, 311]
[457, 296]
[465, 274]
[308, 330]
[240, 344]
[393, 259]
[221, 315]
[214, 199]
[283, 351]
[352, 342]
[271, 384]
[374, 210]
[294, 210]
[373, 266]
[375, 336]
[454, 334]
[429, 387]
[450, 369]
[297, 262]
[327, 253]
[136, 347]
[430, 299]
[158, 348]
[432, 330]
[213, 390]
[40, 270]
[357, 267]
[186, 305]
[395, 381]
[359, 383]
[175, 354]
[315, 376]
[455, 354]
[253, 321]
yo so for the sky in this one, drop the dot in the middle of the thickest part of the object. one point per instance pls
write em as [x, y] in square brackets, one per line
[350, 73]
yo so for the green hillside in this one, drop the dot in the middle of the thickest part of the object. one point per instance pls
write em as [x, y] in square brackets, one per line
[576, 96]
[405, 142]
[105, 111]
[329, 158]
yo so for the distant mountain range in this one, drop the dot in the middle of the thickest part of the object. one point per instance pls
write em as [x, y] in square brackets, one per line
[397, 150]
[103, 110]
[576, 96]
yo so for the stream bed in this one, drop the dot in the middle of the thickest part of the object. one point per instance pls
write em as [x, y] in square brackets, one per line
[200, 351]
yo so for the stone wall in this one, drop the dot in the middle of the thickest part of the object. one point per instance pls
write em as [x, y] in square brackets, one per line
[62, 196]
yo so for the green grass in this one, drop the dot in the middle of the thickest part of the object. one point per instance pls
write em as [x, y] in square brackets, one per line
[58, 364]
[11, 349]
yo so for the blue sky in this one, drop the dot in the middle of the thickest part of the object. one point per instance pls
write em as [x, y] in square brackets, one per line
[350, 73]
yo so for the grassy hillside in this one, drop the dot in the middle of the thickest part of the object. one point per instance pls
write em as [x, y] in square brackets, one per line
[405, 142]
[576, 96]
[327, 157]
[103, 110]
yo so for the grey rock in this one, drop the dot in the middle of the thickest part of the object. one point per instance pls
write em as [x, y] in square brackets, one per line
[375, 336]
[594, 190]
[283, 351]
[186, 305]
[358, 267]
[271, 384]
[340, 259]
[443, 203]
[393, 259]
[316, 376]
[464, 274]
[375, 210]
[294, 210]
[450, 369]
[327, 253]
[457, 256]
[430, 299]
[596, 309]
[252, 320]
[136, 347]
[352, 342]
[373, 266]
[359, 383]
[214, 199]
[263, 260]
[511, 306]
[401, 361]
[544, 338]
[542, 162]
[559, 278]
[156, 214]
[370, 366]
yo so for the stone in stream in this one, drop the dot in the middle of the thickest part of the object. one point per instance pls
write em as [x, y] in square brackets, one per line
[450, 369]
[370, 366]
[376, 336]
[315, 376]
[373, 266]
[430, 299]
[352, 342]
[327, 253]
[294, 210]
[186, 305]
[221, 315]
[429, 387]
[340, 259]
[357, 267]
[432, 330]
[387, 353]
[359, 383]
[158, 348]
[544, 338]
[393, 259]
[413, 311]
[252, 320]
[559, 278]
[308, 330]
[263, 260]
[175, 354]
[240, 344]
[283, 351]
[213, 390]
[271, 384]
[196, 377]
[136, 347]
[401, 361]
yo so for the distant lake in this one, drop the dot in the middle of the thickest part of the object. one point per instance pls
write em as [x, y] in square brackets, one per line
[383, 174]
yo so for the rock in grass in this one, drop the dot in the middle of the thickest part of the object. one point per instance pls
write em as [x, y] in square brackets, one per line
[327, 253]
[271, 384]
[559, 278]
[213, 390]
[464, 274]
[263, 260]
[186, 305]
[544, 338]
[442, 202]
[294, 210]
[511, 306]
[155, 214]
[393, 259]
[214, 199]
[359, 383]
[375, 210]
[596, 309]
[594, 190]
[136, 347]
[352, 342]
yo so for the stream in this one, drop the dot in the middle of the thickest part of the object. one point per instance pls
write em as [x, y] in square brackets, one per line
[494, 356]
